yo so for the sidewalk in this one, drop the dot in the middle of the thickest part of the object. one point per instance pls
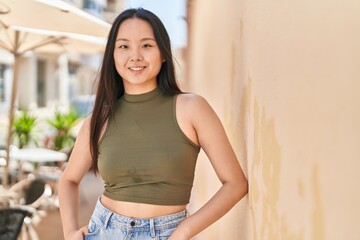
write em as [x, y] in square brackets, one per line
[90, 189]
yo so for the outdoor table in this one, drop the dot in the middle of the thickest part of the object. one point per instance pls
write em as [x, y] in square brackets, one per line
[36, 156]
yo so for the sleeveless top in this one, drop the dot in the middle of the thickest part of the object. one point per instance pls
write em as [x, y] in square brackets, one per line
[144, 156]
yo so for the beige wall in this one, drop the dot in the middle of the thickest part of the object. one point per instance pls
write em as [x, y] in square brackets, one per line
[284, 78]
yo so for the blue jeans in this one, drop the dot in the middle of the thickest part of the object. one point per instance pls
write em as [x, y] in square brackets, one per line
[107, 225]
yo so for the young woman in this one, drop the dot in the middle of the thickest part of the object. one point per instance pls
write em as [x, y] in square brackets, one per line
[143, 137]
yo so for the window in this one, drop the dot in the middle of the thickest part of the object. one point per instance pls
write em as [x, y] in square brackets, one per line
[94, 7]
[2, 82]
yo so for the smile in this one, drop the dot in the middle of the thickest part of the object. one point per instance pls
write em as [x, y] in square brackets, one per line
[136, 68]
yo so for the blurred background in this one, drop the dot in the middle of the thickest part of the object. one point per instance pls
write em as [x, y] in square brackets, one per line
[283, 76]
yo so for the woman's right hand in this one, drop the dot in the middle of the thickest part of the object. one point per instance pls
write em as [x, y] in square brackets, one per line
[79, 234]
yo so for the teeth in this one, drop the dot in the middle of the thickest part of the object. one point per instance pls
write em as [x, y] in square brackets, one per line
[137, 68]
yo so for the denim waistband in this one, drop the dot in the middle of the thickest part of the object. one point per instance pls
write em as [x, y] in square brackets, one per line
[161, 222]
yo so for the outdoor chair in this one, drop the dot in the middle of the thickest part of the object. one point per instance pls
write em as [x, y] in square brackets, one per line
[30, 192]
[11, 222]
[31, 198]
[34, 192]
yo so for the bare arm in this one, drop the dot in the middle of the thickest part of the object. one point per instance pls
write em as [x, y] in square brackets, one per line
[202, 125]
[79, 163]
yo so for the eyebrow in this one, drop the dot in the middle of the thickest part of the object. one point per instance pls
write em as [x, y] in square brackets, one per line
[127, 40]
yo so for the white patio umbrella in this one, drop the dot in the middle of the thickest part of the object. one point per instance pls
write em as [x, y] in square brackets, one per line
[46, 41]
[45, 25]
[53, 15]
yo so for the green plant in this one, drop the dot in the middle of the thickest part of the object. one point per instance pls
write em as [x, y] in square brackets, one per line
[63, 122]
[23, 128]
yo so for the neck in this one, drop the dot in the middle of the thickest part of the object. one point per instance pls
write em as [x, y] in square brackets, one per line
[141, 97]
[133, 89]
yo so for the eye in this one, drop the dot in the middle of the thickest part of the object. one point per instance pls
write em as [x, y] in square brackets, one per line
[146, 45]
[123, 46]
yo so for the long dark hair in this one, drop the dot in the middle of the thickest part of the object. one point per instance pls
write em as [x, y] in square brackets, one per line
[110, 84]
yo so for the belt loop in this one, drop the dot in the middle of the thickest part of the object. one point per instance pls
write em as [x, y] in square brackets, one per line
[152, 228]
[107, 219]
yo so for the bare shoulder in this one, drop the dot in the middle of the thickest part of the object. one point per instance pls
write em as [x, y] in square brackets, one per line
[194, 109]
[192, 101]
[85, 128]
[87, 120]
[190, 112]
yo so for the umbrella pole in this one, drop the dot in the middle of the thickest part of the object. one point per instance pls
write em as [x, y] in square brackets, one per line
[11, 118]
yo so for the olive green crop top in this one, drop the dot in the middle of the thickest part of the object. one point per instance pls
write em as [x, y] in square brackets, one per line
[144, 156]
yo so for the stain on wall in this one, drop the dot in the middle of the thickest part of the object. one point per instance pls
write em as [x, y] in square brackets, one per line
[265, 178]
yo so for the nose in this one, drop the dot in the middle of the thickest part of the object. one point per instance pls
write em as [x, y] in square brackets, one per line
[136, 56]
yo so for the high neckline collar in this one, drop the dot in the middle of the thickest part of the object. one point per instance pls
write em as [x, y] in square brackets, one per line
[142, 97]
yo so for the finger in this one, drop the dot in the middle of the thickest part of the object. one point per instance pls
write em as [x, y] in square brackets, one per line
[84, 230]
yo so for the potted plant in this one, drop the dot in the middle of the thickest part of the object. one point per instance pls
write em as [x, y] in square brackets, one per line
[63, 122]
[23, 128]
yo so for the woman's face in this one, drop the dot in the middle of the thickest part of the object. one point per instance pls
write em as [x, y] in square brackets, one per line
[137, 56]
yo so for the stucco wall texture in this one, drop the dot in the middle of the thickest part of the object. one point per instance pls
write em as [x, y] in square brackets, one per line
[284, 78]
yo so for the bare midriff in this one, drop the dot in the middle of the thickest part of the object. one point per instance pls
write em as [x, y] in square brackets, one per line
[139, 210]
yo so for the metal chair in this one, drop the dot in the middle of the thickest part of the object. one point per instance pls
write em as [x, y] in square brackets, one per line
[11, 221]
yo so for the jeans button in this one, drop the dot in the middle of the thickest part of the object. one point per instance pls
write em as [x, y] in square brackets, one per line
[132, 223]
